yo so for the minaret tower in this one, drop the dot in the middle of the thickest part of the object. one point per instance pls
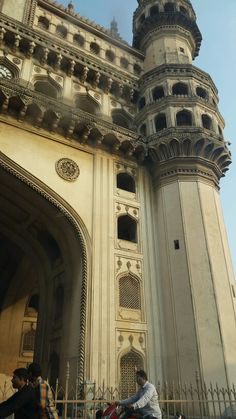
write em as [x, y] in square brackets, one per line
[179, 117]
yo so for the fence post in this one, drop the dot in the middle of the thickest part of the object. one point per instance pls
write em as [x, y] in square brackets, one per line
[66, 390]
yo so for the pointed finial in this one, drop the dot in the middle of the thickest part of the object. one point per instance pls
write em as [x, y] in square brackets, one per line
[70, 8]
[114, 28]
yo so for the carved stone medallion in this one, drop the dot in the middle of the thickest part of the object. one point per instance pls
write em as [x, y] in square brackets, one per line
[67, 169]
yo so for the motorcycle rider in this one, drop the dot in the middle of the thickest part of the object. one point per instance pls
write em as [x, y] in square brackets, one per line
[145, 402]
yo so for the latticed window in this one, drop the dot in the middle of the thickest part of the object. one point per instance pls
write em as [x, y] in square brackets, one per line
[129, 293]
[28, 341]
[129, 364]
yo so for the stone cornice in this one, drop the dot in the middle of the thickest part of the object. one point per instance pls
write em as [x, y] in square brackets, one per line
[190, 146]
[54, 44]
[80, 126]
[88, 25]
[177, 70]
[186, 170]
[168, 19]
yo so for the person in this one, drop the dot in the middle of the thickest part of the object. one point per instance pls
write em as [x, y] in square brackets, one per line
[43, 392]
[23, 403]
[145, 402]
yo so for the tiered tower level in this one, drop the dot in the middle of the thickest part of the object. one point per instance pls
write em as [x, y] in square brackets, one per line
[110, 162]
[178, 115]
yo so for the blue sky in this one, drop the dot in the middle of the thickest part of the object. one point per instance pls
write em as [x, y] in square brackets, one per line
[216, 20]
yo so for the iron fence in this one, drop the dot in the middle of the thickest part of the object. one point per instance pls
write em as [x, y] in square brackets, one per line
[193, 401]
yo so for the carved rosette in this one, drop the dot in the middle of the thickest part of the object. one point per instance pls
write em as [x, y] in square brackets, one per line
[67, 169]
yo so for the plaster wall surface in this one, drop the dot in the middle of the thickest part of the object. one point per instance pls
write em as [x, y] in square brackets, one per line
[14, 8]
[38, 155]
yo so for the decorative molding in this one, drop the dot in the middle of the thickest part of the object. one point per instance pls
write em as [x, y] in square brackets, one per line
[67, 169]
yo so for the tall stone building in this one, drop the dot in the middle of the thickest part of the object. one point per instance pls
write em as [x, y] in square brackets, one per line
[113, 247]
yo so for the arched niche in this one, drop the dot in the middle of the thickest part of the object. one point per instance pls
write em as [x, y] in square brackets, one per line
[130, 362]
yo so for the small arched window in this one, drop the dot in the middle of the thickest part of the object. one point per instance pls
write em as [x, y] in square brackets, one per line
[121, 118]
[129, 364]
[141, 103]
[29, 341]
[201, 92]
[158, 93]
[184, 118]
[43, 23]
[137, 69]
[154, 10]
[94, 48]
[129, 293]
[206, 121]
[78, 40]
[32, 307]
[183, 10]
[142, 18]
[220, 130]
[124, 62]
[169, 7]
[110, 56]
[61, 31]
[126, 182]
[127, 228]
[180, 89]
[143, 130]
[160, 122]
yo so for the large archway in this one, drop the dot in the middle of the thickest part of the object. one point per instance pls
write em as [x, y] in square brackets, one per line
[43, 276]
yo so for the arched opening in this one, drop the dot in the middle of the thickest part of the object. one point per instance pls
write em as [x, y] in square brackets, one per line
[39, 246]
[129, 364]
[124, 63]
[158, 93]
[29, 341]
[142, 18]
[94, 48]
[201, 92]
[61, 31]
[154, 10]
[141, 103]
[121, 118]
[87, 104]
[110, 56]
[127, 228]
[78, 40]
[183, 10]
[206, 121]
[143, 130]
[137, 69]
[129, 293]
[47, 88]
[160, 122]
[169, 7]
[126, 182]
[184, 118]
[180, 89]
[43, 23]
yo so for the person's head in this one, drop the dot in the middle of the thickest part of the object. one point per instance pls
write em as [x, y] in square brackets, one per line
[19, 378]
[34, 371]
[141, 377]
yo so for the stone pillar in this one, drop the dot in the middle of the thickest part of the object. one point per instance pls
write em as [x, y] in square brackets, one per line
[196, 277]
